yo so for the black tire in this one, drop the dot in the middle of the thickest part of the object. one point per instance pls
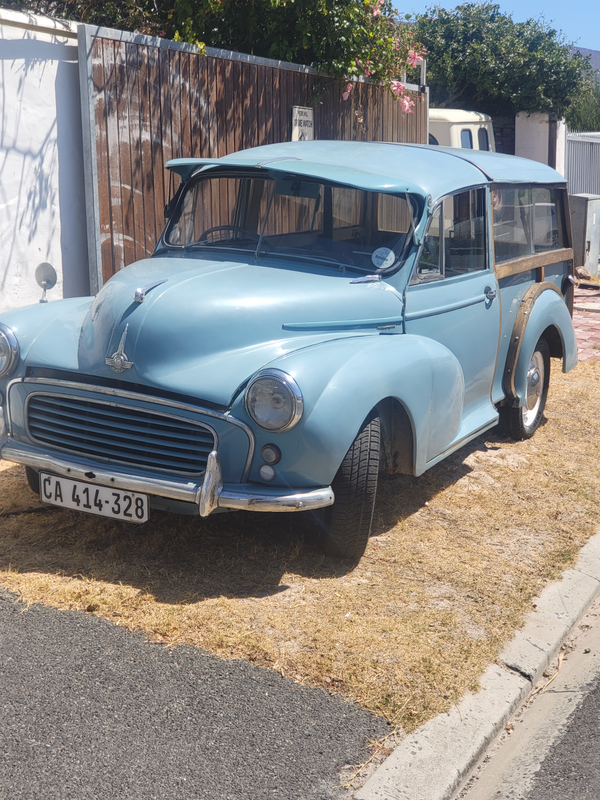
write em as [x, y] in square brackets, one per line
[33, 479]
[346, 525]
[522, 423]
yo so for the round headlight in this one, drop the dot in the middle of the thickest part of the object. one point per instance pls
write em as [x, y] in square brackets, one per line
[274, 400]
[9, 350]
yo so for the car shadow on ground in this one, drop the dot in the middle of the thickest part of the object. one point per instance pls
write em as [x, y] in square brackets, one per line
[181, 559]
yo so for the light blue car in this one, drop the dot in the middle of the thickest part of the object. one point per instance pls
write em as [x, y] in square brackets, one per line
[314, 313]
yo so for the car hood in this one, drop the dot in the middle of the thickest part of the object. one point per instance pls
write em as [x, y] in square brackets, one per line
[208, 326]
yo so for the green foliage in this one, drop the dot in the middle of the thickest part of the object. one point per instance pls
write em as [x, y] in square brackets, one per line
[479, 59]
[143, 16]
[584, 113]
[343, 38]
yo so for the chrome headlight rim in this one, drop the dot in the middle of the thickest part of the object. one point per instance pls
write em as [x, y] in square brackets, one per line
[295, 394]
[13, 344]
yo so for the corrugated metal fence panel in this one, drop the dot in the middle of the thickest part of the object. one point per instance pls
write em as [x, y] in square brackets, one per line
[583, 163]
[147, 100]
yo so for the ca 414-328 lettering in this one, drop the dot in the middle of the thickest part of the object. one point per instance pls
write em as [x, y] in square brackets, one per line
[101, 500]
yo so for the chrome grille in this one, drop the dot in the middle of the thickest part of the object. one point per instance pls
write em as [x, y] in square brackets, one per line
[119, 433]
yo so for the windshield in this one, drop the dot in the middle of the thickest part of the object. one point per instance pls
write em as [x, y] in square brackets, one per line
[292, 217]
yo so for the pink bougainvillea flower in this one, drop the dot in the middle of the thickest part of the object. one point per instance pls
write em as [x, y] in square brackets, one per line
[413, 58]
[376, 12]
[346, 94]
[407, 105]
[397, 88]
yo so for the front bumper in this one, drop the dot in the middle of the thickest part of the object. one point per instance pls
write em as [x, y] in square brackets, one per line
[209, 495]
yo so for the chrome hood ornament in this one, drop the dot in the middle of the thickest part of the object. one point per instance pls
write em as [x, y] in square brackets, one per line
[118, 361]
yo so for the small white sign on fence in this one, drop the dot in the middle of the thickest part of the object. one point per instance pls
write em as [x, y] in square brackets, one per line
[302, 124]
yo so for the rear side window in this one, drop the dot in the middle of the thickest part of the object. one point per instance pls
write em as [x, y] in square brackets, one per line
[455, 242]
[466, 139]
[527, 220]
[483, 139]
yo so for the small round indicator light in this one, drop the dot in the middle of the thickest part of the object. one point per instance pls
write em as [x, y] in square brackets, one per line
[266, 473]
[271, 454]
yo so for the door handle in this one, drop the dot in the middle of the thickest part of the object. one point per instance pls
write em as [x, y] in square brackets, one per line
[489, 292]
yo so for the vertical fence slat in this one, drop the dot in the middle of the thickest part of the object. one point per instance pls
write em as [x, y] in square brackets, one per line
[101, 115]
[146, 156]
[135, 151]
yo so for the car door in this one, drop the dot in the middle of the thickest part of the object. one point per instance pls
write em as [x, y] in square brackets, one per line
[453, 298]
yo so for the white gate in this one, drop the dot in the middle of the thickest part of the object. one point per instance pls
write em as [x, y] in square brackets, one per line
[583, 163]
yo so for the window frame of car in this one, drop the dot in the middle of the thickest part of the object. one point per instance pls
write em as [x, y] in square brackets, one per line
[534, 258]
[437, 208]
[371, 201]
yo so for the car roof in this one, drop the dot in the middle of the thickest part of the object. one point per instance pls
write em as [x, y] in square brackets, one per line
[456, 115]
[383, 166]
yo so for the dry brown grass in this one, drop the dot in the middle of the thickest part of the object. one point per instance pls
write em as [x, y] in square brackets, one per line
[458, 555]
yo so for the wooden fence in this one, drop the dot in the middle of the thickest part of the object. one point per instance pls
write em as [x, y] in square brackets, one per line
[147, 100]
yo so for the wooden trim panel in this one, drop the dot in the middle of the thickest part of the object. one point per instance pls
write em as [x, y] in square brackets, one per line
[515, 266]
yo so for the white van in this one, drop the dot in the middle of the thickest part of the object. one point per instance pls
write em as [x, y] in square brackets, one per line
[451, 127]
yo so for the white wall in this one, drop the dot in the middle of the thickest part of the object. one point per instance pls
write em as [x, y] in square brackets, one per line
[42, 200]
[531, 139]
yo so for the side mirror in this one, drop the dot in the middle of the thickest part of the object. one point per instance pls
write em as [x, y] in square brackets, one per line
[46, 277]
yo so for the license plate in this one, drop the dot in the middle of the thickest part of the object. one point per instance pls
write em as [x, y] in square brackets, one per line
[101, 500]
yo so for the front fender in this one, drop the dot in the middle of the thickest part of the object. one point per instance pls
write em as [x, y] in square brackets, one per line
[343, 380]
[543, 307]
[53, 328]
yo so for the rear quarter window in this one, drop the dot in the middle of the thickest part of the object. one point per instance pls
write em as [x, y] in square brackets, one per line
[527, 220]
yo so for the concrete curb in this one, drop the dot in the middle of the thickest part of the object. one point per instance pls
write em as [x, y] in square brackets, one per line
[432, 763]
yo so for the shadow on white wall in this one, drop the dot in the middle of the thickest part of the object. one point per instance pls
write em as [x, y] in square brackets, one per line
[42, 202]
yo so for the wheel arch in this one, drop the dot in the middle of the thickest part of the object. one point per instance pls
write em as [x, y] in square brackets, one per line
[542, 313]
[397, 438]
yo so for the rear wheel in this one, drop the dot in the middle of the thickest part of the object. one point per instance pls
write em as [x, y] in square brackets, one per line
[346, 525]
[523, 422]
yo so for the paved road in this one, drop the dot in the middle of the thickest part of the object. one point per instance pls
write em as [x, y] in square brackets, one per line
[89, 710]
[553, 749]
[571, 771]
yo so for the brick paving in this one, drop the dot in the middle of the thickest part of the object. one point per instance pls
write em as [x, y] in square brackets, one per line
[587, 324]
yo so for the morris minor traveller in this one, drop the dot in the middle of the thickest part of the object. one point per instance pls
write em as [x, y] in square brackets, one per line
[314, 313]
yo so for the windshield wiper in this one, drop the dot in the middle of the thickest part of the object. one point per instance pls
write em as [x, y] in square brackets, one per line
[225, 244]
[312, 259]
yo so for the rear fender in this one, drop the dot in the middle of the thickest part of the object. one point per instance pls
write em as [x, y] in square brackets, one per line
[542, 311]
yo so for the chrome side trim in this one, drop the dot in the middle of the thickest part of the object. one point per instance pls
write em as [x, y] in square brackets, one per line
[432, 312]
[208, 495]
[8, 417]
[342, 324]
[161, 401]
[114, 404]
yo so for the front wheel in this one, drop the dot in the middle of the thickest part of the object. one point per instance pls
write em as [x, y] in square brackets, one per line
[523, 422]
[346, 525]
